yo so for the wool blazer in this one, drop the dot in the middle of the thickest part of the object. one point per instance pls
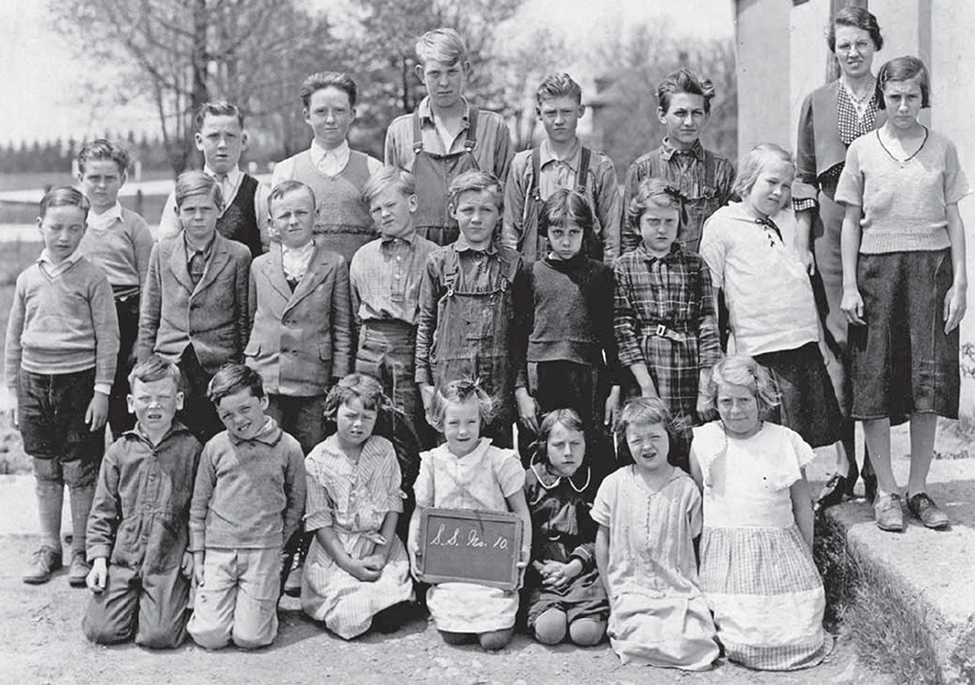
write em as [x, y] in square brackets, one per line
[300, 340]
[212, 315]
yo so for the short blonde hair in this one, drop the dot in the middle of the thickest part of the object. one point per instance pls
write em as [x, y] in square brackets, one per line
[388, 177]
[740, 369]
[443, 45]
[458, 392]
[753, 163]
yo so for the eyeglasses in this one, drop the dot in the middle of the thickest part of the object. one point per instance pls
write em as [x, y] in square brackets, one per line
[860, 45]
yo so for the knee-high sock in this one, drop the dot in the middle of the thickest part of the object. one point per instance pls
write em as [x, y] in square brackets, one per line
[50, 499]
[81, 499]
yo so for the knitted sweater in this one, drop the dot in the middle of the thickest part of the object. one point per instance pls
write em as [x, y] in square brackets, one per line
[903, 204]
[62, 325]
[122, 250]
[572, 312]
[249, 494]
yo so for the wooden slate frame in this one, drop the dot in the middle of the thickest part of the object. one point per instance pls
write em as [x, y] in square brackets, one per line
[460, 557]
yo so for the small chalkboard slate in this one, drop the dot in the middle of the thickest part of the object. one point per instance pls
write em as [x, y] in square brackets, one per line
[461, 545]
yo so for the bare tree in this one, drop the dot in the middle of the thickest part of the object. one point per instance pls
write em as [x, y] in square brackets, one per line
[178, 54]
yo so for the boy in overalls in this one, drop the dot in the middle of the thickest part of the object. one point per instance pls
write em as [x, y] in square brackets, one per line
[474, 300]
[561, 161]
[703, 177]
[445, 136]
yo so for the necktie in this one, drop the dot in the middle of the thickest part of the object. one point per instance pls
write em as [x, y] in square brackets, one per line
[198, 264]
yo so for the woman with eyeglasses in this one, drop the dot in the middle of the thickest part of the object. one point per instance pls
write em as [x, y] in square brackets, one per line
[831, 118]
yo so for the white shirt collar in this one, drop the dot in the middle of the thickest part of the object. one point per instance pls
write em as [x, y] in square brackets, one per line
[295, 261]
[103, 221]
[332, 161]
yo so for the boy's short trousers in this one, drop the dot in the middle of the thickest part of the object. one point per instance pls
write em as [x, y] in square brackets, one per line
[902, 362]
[51, 414]
[807, 403]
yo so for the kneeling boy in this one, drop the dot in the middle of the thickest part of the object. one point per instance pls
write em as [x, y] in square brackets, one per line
[138, 527]
[247, 502]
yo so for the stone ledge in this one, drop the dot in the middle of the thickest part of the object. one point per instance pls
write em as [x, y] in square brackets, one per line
[932, 571]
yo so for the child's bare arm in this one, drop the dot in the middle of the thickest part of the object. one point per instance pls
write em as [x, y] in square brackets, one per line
[333, 546]
[956, 298]
[852, 303]
[602, 555]
[518, 505]
[696, 473]
[642, 376]
[802, 508]
[380, 555]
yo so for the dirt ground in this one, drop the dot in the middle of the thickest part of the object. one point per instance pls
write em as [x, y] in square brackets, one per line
[41, 643]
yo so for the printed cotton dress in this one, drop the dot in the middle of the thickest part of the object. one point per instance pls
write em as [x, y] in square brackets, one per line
[657, 614]
[481, 480]
[353, 497]
[756, 570]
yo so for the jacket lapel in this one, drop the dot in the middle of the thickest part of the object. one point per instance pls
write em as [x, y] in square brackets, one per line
[178, 263]
[219, 258]
[274, 272]
[316, 273]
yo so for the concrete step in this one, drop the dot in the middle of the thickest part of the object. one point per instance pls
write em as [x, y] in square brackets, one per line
[929, 575]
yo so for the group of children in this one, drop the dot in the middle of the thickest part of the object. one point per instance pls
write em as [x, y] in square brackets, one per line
[291, 368]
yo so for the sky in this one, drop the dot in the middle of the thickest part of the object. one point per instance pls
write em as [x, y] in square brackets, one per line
[41, 99]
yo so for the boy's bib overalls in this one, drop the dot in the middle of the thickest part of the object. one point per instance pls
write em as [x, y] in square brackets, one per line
[534, 246]
[433, 173]
[472, 336]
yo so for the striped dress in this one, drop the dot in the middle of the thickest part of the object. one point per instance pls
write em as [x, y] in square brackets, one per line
[353, 498]
[757, 572]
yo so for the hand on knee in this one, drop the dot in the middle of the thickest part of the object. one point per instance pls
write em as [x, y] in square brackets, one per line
[550, 627]
[587, 632]
[495, 639]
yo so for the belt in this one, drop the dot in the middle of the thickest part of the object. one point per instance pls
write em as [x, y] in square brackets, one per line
[662, 331]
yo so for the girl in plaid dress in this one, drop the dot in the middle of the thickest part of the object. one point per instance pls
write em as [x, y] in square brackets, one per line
[757, 568]
[664, 321]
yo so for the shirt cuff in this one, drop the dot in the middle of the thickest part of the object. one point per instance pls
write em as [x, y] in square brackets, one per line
[103, 388]
[803, 204]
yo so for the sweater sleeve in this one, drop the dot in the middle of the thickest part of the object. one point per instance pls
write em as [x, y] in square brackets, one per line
[242, 271]
[104, 320]
[523, 316]
[294, 489]
[202, 494]
[142, 242]
[806, 185]
[13, 352]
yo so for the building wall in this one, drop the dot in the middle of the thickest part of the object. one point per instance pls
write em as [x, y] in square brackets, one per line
[782, 56]
[763, 73]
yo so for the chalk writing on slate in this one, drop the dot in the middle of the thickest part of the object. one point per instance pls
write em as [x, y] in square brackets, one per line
[461, 545]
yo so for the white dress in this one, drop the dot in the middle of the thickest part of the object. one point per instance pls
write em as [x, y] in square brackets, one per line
[657, 615]
[756, 570]
[481, 480]
[353, 497]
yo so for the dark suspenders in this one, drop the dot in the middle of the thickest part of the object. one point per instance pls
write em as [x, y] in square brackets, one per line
[470, 141]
